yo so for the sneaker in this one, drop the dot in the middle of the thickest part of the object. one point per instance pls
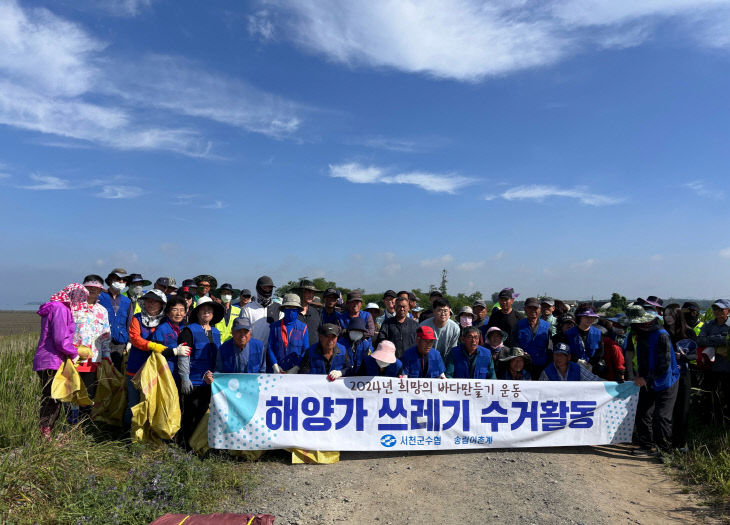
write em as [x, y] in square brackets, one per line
[643, 452]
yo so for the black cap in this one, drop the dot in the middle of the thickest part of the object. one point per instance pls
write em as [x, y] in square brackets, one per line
[328, 329]
[412, 296]
[354, 296]
[226, 286]
[435, 293]
[566, 318]
[246, 292]
[389, 293]
[264, 280]
[691, 305]
[532, 301]
[331, 291]
[481, 303]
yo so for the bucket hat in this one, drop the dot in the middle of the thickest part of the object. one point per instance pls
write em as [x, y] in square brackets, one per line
[291, 300]
[508, 354]
[637, 315]
[385, 352]
[218, 310]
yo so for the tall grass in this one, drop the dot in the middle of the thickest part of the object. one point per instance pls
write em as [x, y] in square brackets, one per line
[91, 474]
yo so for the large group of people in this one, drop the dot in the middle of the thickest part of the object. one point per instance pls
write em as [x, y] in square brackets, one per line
[199, 331]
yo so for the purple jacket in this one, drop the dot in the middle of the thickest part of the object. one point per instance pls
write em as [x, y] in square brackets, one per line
[57, 335]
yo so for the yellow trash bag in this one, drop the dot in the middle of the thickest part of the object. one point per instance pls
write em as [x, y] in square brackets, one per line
[111, 395]
[157, 416]
[299, 455]
[68, 387]
[199, 439]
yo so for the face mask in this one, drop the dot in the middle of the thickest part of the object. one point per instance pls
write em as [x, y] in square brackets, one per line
[118, 286]
[226, 298]
[465, 321]
[135, 291]
[290, 315]
[355, 336]
[382, 364]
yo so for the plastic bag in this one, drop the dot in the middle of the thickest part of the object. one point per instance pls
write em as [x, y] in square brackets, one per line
[199, 439]
[299, 455]
[111, 395]
[68, 387]
[157, 415]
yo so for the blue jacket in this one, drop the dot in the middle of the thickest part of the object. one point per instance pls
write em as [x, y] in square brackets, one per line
[345, 318]
[483, 365]
[573, 372]
[203, 354]
[333, 318]
[412, 363]
[671, 375]
[289, 355]
[166, 335]
[234, 360]
[577, 349]
[370, 368]
[355, 353]
[117, 321]
[536, 345]
[318, 365]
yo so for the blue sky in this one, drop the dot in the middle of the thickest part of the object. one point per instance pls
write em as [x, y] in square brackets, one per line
[569, 147]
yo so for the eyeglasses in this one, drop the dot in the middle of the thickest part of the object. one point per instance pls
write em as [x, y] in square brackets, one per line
[441, 311]
[177, 310]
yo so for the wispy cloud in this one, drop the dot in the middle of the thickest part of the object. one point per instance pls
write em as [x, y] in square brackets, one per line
[432, 182]
[701, 190]
[437, 262]
[725, 253]
[47, 182]
[215, 205]
[471, 39]
[540, 193]
[469, 266]
[584, 265]
[120, 192]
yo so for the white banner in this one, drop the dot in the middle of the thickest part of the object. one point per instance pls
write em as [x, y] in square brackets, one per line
[271, 411]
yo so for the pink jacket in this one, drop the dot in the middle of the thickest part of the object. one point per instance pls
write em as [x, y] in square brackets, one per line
[57, 335]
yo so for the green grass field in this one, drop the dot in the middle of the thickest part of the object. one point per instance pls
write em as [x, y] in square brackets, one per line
[89, 473]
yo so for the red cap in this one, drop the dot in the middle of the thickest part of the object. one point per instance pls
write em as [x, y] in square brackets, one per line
[426, 332]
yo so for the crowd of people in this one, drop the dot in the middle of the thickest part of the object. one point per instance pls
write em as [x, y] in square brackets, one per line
[200, 331]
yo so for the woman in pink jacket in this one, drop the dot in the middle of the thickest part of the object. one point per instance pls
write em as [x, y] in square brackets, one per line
[55, 345]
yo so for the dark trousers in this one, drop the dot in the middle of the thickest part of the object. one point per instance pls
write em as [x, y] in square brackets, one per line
[195, 405]
[50, 408]
[654, 417]
[90, 381]
[680, 418]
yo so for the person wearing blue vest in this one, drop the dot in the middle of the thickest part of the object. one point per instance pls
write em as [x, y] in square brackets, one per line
[469, 360]
[563, 369]
[330, 314]
[204, 339]
[355, 344]
[532, 334]
[353, 309]
[242, 354]
[382, 362]
[118, 308]
[585, 340]
[423, 360]
[169, 331]
[513, 364]
[288, 338]
[148, 334]
[657, 376]
[327, 357]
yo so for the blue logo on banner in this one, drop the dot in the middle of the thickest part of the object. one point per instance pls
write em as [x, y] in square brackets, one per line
[388, 440]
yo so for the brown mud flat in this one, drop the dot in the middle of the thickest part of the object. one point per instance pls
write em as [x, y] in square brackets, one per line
[14, 322]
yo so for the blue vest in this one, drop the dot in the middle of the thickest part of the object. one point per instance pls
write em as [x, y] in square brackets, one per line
[166, 335]
[412, 363]
[535, 345]
[203, 353]
[297, 344]
[317, 364]
[229, 357]
[118, 320]
[372, 368]
[669, 377]
[483, 367]
[345, 318]
[138, 357]
[333, 318]
[573, 372]
[355, 353]
[577, 349]
[524, 376]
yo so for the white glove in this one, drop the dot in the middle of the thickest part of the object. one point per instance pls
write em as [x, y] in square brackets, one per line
[335, 374]
[404, 376]
[277, 369]
[293, 370]
[182, 349]
[442, 376]
[128, 347]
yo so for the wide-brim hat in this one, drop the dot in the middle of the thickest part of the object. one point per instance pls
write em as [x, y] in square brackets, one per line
[218, 310]
[586, 312]
[385, 352]
[637, 315]
[156, 295]
[205, 277]
[121, 273]
[493, 329]
[136, 278]
[226, 287]
[508, 354]
[373, 306]
[649, 301]
[466, 310]
[291, 300]
[306, 284]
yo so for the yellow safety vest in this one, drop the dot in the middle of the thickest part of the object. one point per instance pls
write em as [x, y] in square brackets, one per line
[226, 330]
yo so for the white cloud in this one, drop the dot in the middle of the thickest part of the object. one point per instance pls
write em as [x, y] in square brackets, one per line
[123, 7]
[47, 182]
[215, 205]
[584, 265]
[471, 39]
[540, 193]
[725, 252]
[469, 266]
[699, 188]
[437, 262]
[432, 182]
[120, 192]
[260, 26]
[490, 197]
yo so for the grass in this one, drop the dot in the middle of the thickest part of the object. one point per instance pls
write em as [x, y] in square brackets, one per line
[90, 474]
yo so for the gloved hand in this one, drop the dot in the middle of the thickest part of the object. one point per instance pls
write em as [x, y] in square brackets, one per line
[84, 352]
[182, 349]
[156, 347]
[277, 369]
[403, 376]
[442, 376]
[293, 370]
[127, 348]
[334, 375]
[185, 385]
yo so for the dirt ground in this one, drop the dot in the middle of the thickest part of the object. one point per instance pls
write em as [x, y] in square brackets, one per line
[558, 485]
[19, 322]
